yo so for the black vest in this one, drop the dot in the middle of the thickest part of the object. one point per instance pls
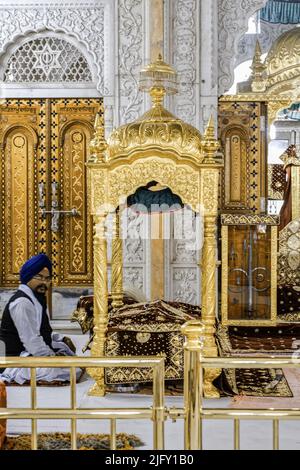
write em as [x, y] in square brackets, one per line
[9, 333]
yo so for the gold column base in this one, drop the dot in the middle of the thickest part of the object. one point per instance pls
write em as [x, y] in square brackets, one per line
[117, 300]
[98, 389]
[210, 391]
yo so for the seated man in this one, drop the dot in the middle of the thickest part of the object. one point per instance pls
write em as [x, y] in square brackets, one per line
[25, 328]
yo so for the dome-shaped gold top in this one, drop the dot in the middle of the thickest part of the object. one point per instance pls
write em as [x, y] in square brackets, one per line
[157, 129]
[283, 60]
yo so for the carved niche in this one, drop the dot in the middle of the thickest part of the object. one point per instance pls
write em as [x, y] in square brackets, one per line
[242, 130]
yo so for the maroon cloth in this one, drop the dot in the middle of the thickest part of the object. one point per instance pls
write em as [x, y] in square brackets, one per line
[286, 209]
[2, 421]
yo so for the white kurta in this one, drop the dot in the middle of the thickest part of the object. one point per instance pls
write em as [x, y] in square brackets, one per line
[27, 317]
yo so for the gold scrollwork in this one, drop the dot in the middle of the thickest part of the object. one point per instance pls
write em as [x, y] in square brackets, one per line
[249, 219]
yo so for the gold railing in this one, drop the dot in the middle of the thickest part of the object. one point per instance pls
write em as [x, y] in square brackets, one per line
[156, 413]
[194, 412]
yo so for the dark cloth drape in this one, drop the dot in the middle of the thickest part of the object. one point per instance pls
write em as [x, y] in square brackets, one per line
[286, 209]
[281, 11]
[145, 200]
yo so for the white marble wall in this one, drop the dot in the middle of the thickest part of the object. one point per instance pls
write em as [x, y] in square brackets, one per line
[201, 40]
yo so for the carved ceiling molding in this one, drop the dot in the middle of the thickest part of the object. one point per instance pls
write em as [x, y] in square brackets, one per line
[268, 35]
[86, 24]
[233, 18]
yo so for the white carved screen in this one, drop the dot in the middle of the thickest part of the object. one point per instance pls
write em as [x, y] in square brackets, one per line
[47, 59]
[135, 232]
[136, 251]
[183, 241]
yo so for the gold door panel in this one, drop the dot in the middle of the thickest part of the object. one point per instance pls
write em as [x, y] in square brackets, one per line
[44, 148]
[242, 130]
[72, 129]
[22, 160]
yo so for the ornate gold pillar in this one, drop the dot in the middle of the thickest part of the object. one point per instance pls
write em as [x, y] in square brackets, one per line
[209, 263]
[209, 195]
[117, 265]
[100, 303]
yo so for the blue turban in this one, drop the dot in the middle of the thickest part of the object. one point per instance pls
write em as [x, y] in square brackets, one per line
[33, 266]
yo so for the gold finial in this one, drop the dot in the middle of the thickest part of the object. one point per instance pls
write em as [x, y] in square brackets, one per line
[158, 79]
[98, 144]
[210, 129]
[258, 68]
[210, 144]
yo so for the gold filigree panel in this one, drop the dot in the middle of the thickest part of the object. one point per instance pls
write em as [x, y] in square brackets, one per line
[209, 179]
[114, 187]
[21, 162]
[46, 142]
[72, 129]
[236, 147]
[289, 255]
[242, 128]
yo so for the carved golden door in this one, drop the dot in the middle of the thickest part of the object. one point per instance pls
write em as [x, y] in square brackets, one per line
[43, 205]
[243, 134]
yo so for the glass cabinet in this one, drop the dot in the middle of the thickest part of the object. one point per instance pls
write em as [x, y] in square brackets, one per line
[249, 269]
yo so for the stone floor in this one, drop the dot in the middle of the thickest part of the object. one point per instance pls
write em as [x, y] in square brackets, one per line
[218, 434]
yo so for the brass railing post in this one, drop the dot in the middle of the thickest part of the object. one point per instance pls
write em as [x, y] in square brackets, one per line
[34, 436]
[158, 406]
[193, 331]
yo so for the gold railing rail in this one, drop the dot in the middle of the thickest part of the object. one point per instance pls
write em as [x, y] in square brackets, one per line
[193, 412]
[156, 413]
[196, 365]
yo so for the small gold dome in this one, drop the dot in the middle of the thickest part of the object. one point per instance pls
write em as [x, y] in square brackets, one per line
[157, 129]
[283, 60]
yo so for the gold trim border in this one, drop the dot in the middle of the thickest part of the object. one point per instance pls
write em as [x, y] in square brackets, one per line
[249, 219]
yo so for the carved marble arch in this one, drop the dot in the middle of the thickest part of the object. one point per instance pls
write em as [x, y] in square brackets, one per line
[279, 84]
[44, 60]
[233, 16]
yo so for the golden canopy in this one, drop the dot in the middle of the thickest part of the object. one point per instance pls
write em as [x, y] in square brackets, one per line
[156, 147]
[156, 129]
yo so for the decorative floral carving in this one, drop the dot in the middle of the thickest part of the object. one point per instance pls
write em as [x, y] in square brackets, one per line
[181, 179]
[245, 219]
[269, 32]
[209, 190]
[233, 19]
[185, 285]
[133, 243]
[97, 189]
[130, 57]
[289, 254]
[133, 277]
[185, 58]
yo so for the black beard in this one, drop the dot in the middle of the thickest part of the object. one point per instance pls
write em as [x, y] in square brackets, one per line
[41, 297]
